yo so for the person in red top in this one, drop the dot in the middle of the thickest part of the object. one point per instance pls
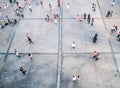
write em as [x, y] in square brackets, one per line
[118, 34]
[95, 55]
[59, 2]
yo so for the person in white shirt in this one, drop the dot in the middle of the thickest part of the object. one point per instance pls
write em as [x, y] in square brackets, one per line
[17, 54]
[73, 45]
[30, 8]
[68, 6]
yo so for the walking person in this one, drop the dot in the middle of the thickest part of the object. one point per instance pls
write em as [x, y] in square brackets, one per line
[112, 3]
[59, 2]
[23, 70]
[8, 19]
[30, 8]
[68, 6]
[108, 14]
[16, 53]
[93, 7]
[95, 38]
[41, 3]
[78, 18]
[30, 56]
[111, 12]
[92, 21]
[73, 45]
[95, 55]
[113, 29]
[84, 16]
[10, 1]
[50, 6]
[75, 78]
[88, 18]
[118, 36]
[29, 39]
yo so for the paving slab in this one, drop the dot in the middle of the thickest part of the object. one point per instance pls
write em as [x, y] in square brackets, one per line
[117, 56]
[5, 37]
[106, 6]
[100, 74]
[44, 42]
[82, 33]
[52, 45]
[41, 72]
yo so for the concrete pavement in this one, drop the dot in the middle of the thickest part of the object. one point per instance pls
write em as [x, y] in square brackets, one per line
[54, 61]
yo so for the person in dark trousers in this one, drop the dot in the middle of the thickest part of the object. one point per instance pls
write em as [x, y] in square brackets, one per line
[41, 3]
[8, 19]
[95, 55]
[10, 1]
[108, 14]
[118, 36]
[92, 21]
[95, 38]
[29, 39]
[30, 56]
[17, 53]
[88, 18]
[23, 70]
[84, 16]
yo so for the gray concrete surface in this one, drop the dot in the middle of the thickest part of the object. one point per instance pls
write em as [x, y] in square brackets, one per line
[54, 61]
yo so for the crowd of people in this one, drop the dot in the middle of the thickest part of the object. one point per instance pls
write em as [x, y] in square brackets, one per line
[90, 20]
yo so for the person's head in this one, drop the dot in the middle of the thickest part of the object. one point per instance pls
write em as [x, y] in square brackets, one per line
[28, 54]
[73, 42]
[21, 69]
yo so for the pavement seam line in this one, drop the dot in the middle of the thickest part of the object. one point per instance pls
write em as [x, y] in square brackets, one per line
[113, 54]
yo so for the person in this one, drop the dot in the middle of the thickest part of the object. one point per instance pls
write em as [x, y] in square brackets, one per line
[84, 16]
[30, 8]
[111, 12]
[78, 18]
[88, 18]
[75, 78]
[48, 18]
[29, 39]
[14, 21]
[5, 5]
[50, 6]
[67, 6]
[23, 70]
[59, 2]
[10, 1]
[73, 45]
[108, 14]
[112, 3]
[5, 23]
[95, 38]
[41, 3]
[95, 55]
[93, 7]
[17, 54]
[30, 56]
[118, 34]
[8, 19]
[92, 21]
[113, 29]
